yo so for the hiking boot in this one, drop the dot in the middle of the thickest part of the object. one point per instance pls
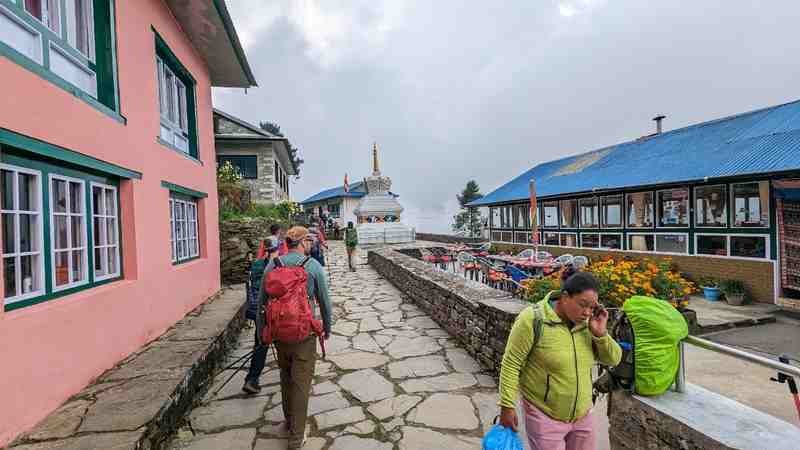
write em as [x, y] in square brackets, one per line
[251, 387]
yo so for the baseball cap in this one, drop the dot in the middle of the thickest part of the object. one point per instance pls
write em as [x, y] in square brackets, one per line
[297, 234]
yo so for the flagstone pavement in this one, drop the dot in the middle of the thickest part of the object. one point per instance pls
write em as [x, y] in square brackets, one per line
[393, 379]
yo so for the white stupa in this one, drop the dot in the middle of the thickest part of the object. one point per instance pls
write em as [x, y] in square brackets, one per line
[379, 211]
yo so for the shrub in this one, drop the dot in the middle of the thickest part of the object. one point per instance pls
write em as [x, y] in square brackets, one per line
[709, 282]
[534, 289]
[732, 287]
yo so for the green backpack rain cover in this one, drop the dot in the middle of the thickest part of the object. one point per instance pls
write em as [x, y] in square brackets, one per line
[657, 329]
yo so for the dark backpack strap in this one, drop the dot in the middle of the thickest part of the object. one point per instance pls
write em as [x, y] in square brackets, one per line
[305, 261]
[277, 262]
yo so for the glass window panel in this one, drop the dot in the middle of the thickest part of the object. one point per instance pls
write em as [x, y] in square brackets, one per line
[9, 234]
[673, 208]
[82, 31]
[590, 240]
[27, 233]
[99, 258]
[35, 8]
[612, 211]
[712, 245]
[183, 122]
[27, 193]
[711, 206]
[169, 83]
[551, 238]
[112, 260]
[672, 243]
[522, 237]
[61, 265]
[111, 202]
[569, 240]
[76, 230]
[496, 236]
[749, 246]
[589, 213]
[75, 197]
[111, 231]
[29, 273]
[640, 209]
[77, 265]
[611, 241]
[10, 276]
[98, 205]
[641, 242]
[8, 189]
[550, 211]
[569, 214]
[751, 204]
[98, 230]
[59, 188]
[60, 232]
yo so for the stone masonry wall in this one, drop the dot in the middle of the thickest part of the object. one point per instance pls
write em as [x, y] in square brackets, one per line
[479, 317]
[238, 238]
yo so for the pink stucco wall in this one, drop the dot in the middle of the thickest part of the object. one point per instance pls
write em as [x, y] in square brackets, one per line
[50, 351]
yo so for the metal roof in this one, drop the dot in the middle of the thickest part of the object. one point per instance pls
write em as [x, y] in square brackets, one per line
[756, 142]
[356, 191]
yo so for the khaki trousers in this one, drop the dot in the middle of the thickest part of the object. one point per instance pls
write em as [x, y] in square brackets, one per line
[296, 362]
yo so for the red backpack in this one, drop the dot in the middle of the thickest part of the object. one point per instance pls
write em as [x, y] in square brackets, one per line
[288, 312]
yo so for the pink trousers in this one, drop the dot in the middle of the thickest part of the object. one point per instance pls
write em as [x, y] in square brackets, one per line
[545, 433]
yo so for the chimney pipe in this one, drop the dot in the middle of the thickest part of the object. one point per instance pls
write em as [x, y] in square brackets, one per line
[658, 120]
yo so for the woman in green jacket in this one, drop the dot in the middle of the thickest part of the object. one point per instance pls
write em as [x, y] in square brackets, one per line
[549, 357]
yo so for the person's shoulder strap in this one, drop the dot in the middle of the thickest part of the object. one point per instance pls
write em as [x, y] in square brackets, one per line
[276, 262]
[305, 261]
[538, 323]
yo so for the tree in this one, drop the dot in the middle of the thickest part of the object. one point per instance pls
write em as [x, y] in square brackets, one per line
[468, 219]
[271, 127]
[294, 152]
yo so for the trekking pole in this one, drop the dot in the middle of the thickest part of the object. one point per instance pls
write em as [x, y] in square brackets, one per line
[789, 380]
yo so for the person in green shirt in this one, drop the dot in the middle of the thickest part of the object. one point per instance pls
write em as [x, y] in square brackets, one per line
[350, 241]
[549, 357]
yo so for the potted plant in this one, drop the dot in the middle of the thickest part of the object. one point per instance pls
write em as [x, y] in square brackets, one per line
[734, 292]
[711, 290]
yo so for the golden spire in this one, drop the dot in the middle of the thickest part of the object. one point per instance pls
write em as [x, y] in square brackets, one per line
[375, 169]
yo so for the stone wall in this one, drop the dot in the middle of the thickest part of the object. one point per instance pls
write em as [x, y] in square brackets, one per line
[757, 275]
[479, 317]
[447, 239]
[237, 239]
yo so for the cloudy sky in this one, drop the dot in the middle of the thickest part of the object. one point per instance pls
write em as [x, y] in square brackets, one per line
[459, 90]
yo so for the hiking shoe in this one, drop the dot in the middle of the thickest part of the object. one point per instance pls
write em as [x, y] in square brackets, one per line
[251, 387]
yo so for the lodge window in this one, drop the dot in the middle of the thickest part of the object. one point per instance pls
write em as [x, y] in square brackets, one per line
[672, 243]
[551, 238]
[68, 219]
[568, 239]
[105, 220]
[611, 241]
[247, 166]
[494, 218]
[673, 208]
[711, 244]
[750, 203]
[641, 242]
[522, 237]
[749, 246]
[612, 211]
[569, 214]
[183, 228]
[590, 240]
[522, 216]
[23, 262]
[176, 99]
[68, 42]
[550, 213]
[711, 207]
[505, 218]
[589, 213]
[640, 210]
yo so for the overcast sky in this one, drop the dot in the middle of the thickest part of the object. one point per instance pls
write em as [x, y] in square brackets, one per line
[459, 90]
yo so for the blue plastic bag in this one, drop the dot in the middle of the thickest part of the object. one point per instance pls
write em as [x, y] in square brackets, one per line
[501, 438]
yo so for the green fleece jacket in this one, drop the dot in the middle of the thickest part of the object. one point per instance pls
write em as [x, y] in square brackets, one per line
[556, 374]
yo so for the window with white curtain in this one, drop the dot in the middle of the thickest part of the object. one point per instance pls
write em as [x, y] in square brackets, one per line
[105, 231]
[68, 231]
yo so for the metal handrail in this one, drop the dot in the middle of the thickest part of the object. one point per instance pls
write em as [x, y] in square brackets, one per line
[680, 380]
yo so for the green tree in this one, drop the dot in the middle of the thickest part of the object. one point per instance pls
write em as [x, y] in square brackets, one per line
[294, 152]
[469, 218]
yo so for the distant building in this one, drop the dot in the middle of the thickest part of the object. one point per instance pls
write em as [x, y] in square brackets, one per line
[720, 198]
[263, 159]
[335, 202]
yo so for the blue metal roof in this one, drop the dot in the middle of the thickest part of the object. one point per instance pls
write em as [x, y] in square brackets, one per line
[756, 142]
[356, 191]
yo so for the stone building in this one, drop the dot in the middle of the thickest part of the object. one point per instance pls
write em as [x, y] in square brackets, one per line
[262, 158]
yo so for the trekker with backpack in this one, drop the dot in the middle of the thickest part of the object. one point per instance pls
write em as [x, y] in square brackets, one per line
[549, 357]
[320, 242]
[350, 241]
[293, 286]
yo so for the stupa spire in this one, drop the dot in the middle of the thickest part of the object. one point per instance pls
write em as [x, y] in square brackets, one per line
[375, 168]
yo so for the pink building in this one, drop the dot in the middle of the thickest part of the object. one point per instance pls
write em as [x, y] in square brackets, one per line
[109, 212]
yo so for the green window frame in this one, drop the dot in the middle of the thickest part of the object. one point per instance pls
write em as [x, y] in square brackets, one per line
[247, 165]
[66, 238]
[71, 43]
[177, 101]
[184, 222]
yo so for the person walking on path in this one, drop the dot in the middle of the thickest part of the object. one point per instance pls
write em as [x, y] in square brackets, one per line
[351, 241]
[320, 242]
[276, 238]
[549, 357]
[297, 360]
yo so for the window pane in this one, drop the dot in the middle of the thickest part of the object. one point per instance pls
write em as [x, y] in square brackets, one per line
[751, 203]
[10, 276]
[76, 230]
[28, 192]
[28, 233]
[111, 202]
[183, 122]
[611, 241]
[641, 243]
[711, 206]
[712, 245]
[29, 273]
[111, 231]
[97, 201]
[169, 93]
[162, 102]
[522, 237]
[77, 265]
[9, 234]
[59, 188]
[35, 8]
[612, 211]
[673, 208]
[112, 260]
[99, 259]
[53, 16]
[569, 214]
[60, 232]
[589, 212]
[569, 240]
[590, 240]
[749, 246]
[640, 209]
[61, 264]
[75, 197]
[99, 231]
[671, 243]
[522, 216]
[550, 214]
[551, 239]
[8, 189]
[83, 21]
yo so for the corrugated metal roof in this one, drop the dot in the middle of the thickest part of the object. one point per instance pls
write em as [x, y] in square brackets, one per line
[756, 142]
[356, 191]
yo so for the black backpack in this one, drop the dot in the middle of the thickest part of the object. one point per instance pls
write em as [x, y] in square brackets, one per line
[623, 375]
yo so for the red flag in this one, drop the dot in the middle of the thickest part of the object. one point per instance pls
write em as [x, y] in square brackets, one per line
[346, 184]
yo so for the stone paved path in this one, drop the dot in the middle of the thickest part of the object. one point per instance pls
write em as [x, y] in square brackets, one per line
[393, 380]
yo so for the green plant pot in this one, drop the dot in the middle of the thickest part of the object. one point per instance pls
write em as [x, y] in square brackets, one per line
[735, 299]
